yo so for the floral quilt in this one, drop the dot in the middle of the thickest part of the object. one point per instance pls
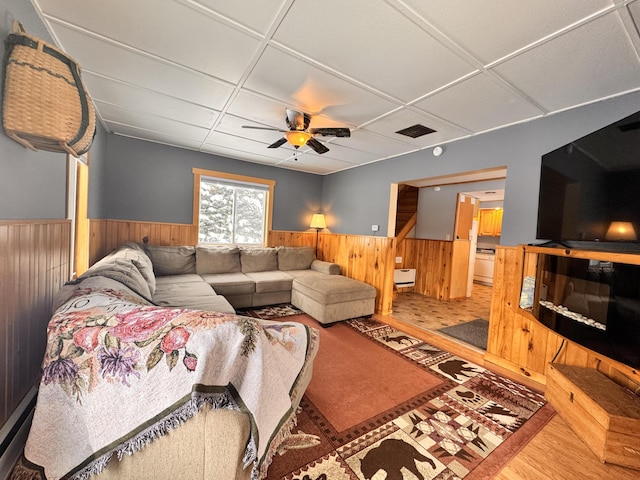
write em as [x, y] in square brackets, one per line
[114, 366]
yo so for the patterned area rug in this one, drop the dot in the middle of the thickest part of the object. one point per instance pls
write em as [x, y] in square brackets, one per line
[468, 423]
[270, 312]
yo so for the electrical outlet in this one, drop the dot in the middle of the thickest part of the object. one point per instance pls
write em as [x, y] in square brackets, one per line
[398, 259]
[374, 228]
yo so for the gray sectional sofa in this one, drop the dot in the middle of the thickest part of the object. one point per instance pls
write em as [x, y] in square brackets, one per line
[224, 279]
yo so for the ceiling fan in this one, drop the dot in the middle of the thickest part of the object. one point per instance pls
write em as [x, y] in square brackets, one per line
[299, 133]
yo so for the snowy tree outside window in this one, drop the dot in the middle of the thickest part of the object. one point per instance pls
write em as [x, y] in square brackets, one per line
[232, 212]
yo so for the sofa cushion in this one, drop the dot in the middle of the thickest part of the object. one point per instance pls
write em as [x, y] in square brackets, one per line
[258, 259]
[171, 293]
[172, 260]
[217, 259]
[332, 289]
[275, 281]
[295, 258]
[199, 296]
[186, 278]
[230, 283]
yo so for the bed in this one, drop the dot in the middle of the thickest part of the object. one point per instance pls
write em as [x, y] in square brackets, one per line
[170, 392]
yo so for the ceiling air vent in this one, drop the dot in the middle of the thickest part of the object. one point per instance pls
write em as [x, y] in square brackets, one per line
[415, 131]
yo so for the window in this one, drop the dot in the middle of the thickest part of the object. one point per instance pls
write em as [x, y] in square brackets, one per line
[232, 209]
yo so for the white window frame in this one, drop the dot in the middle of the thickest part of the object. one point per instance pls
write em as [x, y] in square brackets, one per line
[199, 174]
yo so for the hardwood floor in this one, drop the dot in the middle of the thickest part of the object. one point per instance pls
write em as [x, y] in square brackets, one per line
[556, 452]
[432, 314]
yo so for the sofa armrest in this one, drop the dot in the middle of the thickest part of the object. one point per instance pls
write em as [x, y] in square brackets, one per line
[325, 267]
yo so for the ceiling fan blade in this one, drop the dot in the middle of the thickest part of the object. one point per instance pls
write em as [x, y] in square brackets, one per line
[276, 144]
[264, 128]
[297, 120]
[331, 132]
[317, 146]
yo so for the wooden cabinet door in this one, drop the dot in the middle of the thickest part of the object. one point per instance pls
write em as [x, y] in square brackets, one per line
[485, 224]
[490, 222]
[497, 223]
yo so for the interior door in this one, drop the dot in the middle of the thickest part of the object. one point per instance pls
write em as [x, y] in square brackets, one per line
[462, 236]
[464, 216]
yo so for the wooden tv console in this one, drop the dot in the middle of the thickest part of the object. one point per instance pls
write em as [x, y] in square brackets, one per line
[521, 346]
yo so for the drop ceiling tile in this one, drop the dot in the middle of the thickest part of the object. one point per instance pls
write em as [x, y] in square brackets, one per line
[479, 103]
[148, 135]
[567, 70]
[491, 29]
[240, 155]
[404, 118]
[259, 109]
[135, 98]
[258, 17]
[266, 112]
[224, 140]
[377, 144]
[123, 116]
[295, 82]
[164, 28]
[346, 154]
[113, 61]
[233, 125]
[314, 163]
[400, 65]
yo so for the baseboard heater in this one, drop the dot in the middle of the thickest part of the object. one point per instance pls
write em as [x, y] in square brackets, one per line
[404, 277]
[13, 434]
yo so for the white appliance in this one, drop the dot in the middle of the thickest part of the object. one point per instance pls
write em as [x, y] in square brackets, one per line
[483, 271]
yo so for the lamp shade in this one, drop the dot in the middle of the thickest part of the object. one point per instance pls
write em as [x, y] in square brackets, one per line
[318, 221]
[621, 231]
[297, 138]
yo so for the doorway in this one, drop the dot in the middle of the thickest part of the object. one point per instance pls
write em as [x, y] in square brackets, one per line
[437, 218]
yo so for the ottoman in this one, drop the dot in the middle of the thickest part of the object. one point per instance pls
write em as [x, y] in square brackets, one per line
[332, 298]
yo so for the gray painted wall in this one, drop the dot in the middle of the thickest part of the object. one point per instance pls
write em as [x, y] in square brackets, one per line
[152, 182]
[359, 197]
[33, 184]
[437, 209]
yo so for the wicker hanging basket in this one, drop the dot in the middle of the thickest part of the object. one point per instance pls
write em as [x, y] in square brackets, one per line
[46, 106]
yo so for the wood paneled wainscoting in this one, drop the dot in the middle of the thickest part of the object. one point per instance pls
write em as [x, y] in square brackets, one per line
[441, 266]
[107, 235]
[365, 258]
[34, 264]
[519, 343]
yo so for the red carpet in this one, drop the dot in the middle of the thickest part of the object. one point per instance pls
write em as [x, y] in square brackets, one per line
[344, 368]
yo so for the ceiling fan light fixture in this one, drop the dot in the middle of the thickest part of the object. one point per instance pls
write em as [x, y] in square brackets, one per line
[297, 138]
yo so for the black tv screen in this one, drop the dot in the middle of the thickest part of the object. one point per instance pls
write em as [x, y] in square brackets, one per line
[590, 188]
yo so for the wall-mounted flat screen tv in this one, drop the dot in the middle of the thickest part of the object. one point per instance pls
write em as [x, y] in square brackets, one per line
[590, 188]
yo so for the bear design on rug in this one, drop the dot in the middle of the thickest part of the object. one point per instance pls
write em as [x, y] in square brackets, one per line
[453, 368]
[390, 456]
